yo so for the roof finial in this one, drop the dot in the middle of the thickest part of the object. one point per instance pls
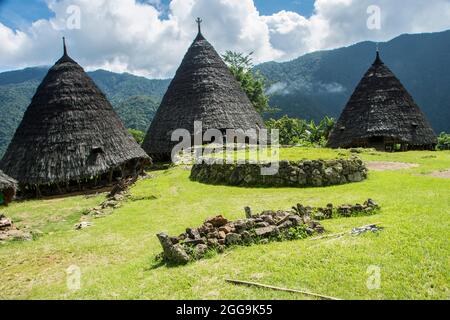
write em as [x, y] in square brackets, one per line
[199, 22]
[378, 59]
[64, 46]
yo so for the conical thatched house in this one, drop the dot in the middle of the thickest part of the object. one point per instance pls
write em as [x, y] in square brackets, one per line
[382, 114]
[203, 90]
[70, 138]
[7, 189]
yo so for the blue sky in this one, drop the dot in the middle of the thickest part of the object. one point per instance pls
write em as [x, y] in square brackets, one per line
[268, 7]
[121, 36]
[18, 14]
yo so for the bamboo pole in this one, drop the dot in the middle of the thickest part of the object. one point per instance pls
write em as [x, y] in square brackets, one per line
[307, 293]
[341, 234]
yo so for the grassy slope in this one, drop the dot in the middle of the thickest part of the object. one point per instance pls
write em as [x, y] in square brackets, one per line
[117, 254]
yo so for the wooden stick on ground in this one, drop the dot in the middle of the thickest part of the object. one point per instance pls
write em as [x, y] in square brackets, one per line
[280, 289]
[337, 235]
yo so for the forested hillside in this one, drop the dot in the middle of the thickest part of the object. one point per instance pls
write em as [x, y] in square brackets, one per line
[135, 99]
[320, 83]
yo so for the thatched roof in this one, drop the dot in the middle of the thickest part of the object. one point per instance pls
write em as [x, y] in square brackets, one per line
[381, 107]
[6, 182]
[203, 90]
[69, 132]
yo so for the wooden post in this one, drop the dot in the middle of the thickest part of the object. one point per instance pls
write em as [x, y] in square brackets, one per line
[59, 188]
[110, 177]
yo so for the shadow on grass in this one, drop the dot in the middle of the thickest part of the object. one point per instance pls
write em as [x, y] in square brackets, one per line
[269, 186]
[159, 166]
[158, 261]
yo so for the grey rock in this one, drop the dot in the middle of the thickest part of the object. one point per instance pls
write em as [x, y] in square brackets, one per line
[267, 231]
[217, 221]
[5, 222]
[200, 250]
[296, 220]
[320, 229]
[268, 219]
[232, 239]
[242, 225]
[286, 225]
[83, 225]
[213, 235]
[371, 203]
[195, 242]
[174, 240]
[262, 225]
[319, 216]
[282, 218]
[212, 243]
[316, 179]
[246, 237]
[173, 253]
[227, 229]
[193, 233]
[302, 178]
[206, 228]
[248, 212]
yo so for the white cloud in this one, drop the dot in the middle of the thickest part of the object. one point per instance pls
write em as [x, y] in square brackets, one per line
[279, 88]
[333, 87]
[133, 36]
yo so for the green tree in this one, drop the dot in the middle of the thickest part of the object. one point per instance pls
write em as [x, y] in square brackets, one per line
[298, 131]
[138, 135]
[443, 141]
[253, 83]
[319, 133]
[292, 130]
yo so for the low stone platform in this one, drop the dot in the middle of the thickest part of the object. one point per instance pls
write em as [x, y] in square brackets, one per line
[217, 233]
[310, 173]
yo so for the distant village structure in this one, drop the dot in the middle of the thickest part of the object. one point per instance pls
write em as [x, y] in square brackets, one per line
[203, 90]
[381, 114]
[7, 189]
[70, 137]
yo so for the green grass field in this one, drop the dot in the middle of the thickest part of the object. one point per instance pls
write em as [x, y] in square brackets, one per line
[117, 255]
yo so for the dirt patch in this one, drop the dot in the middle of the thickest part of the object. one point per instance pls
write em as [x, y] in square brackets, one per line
[390, 166]
[441, 174]
[8, 231]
